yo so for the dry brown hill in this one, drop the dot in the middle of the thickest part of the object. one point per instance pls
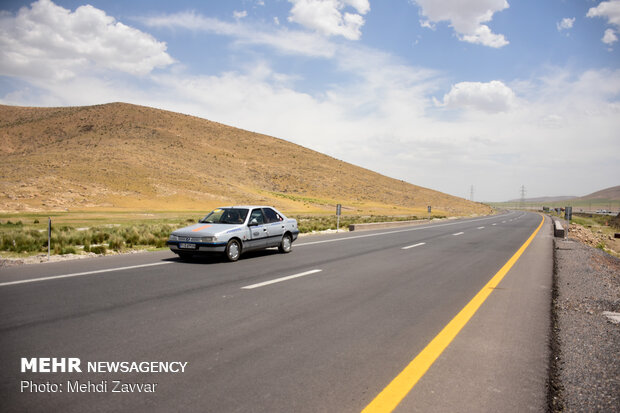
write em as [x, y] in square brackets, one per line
[612, 194]
[125, 156]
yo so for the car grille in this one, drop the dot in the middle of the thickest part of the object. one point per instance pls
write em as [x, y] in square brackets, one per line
[190, 239]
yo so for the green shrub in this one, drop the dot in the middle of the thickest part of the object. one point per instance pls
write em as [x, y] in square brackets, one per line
[116, 242]
[99, 249]
[63, 250]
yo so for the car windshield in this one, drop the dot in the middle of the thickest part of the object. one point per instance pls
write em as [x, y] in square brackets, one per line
[234, 216]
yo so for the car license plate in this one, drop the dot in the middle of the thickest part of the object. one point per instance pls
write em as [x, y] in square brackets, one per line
[187, 246]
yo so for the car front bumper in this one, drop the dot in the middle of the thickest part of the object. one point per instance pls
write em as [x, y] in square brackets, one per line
[198, 246]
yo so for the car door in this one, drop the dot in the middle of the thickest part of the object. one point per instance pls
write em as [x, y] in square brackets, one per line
[275, 227]
[258, 230]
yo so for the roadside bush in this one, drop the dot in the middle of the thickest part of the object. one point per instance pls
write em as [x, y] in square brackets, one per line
[98, 236]
[116, 242]
[99, 249]
[12, 224]
[63, 250]
[322, 223]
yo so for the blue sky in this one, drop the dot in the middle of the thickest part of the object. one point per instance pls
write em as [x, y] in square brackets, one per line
[441, 93]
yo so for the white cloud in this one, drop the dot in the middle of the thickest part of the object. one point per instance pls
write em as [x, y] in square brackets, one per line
[609, 9]
[565, 24]
[326, 16]
[466, 17]
[240, 14]
[610, 37]
[283, 40]
[46, 41]
[491, 97]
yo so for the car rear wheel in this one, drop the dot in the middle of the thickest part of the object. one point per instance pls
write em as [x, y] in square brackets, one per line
[233, 250]
[286, 245]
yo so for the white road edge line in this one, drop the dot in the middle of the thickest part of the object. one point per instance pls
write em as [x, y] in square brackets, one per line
[413, 246]
[458, 233]
[77, 274]
[277, 280]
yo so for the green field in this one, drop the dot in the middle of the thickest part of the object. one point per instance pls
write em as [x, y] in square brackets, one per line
[25, 234]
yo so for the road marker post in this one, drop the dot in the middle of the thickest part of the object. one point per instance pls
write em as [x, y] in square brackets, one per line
[568, 215]
[49, 237]
[338, 212]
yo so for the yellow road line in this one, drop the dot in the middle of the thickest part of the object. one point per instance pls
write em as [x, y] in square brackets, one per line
[395, 392]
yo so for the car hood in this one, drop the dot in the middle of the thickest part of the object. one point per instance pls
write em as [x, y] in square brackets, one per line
[201, 230]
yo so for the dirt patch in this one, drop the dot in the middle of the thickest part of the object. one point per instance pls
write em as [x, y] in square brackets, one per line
[595, 238]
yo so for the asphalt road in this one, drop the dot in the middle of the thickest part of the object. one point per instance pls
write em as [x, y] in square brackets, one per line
[323, 329]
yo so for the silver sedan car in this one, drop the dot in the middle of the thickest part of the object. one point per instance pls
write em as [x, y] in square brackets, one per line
[235, 230]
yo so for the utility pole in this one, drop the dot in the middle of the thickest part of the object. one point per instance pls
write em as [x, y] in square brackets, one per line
[471, 193]
[523, 196]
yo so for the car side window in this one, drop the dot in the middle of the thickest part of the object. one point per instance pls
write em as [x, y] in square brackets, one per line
[271, 215]
[258, 216]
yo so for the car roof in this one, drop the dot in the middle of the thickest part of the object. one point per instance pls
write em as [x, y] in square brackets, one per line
[247, 206]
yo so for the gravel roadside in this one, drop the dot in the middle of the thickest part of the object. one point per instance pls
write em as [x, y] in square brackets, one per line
[585, 363]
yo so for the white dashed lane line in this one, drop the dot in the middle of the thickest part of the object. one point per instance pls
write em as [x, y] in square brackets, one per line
[415, 245]
[278, 280]
[458, 233]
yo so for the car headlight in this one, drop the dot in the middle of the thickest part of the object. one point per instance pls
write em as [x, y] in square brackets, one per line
[173, 237]
[208, 239]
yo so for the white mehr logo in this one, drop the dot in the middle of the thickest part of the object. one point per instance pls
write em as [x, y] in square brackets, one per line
[51, 365]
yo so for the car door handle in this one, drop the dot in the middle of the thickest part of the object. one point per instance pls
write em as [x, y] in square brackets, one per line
[264, 229]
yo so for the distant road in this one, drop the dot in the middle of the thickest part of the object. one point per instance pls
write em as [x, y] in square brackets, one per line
[324, 328]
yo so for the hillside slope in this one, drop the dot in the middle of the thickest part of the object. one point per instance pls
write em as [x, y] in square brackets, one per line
[612, 194]
[125, 156]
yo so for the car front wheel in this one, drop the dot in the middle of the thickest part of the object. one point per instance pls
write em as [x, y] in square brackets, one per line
[233, 250]
[286, 245]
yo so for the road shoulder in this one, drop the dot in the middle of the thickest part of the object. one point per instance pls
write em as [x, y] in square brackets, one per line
[585, 372]
[499, 361]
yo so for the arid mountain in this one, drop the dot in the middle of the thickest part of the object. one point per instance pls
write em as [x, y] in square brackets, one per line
[125, 156]
[611, 194]
[608, 194]
[544, 199]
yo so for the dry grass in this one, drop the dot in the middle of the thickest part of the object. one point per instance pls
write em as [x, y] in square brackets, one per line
[119, 157]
